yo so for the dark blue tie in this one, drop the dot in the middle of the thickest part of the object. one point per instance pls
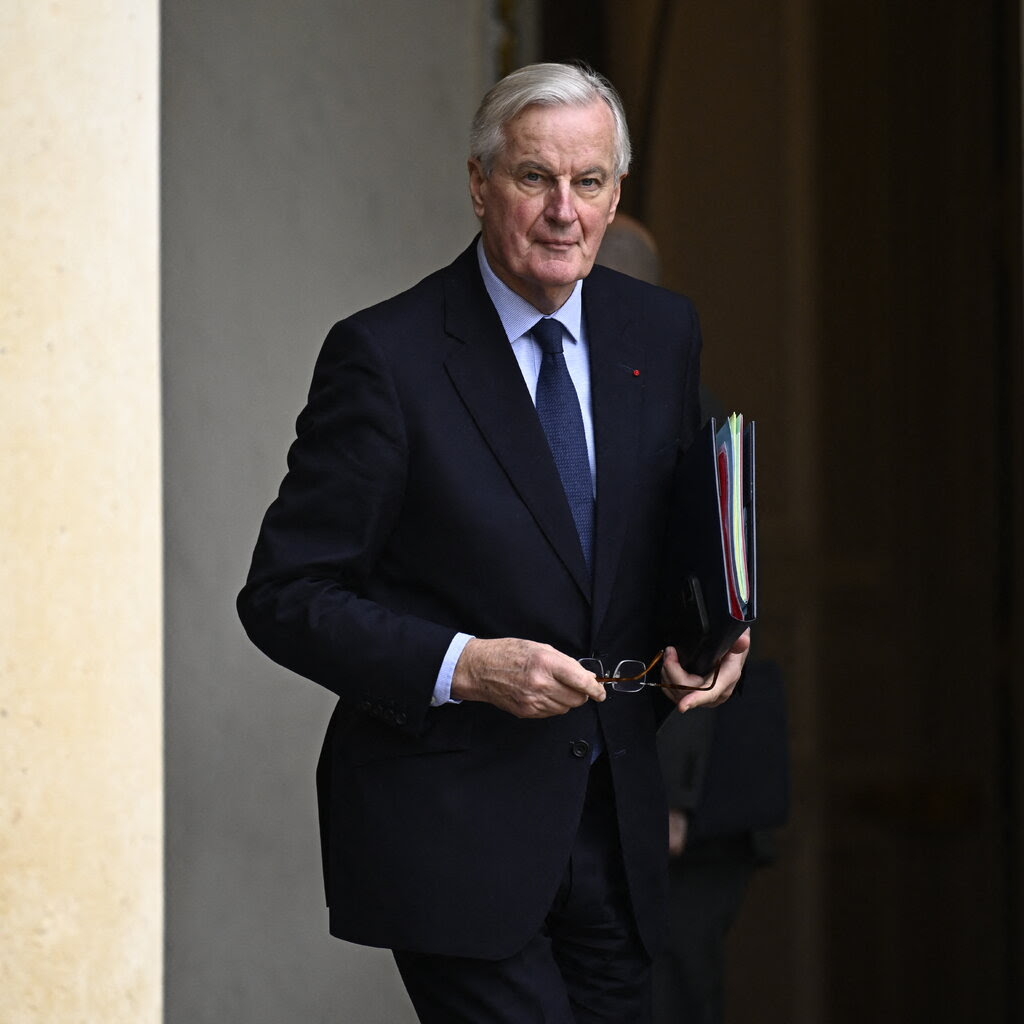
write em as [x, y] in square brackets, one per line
[558, 407]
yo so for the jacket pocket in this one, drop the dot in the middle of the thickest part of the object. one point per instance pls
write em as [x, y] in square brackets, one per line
[448, 729]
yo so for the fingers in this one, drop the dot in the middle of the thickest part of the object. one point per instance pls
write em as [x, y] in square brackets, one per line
[678, 824]
[703, 693]
[742, 644]
[560, 678]
[526, 679]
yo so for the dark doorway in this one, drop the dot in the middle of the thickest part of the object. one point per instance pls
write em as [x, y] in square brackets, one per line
[838, 186]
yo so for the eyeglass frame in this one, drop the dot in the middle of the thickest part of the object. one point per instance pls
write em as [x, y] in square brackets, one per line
[640, 677]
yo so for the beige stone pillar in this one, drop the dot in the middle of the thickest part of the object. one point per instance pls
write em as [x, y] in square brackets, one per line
[80, 544]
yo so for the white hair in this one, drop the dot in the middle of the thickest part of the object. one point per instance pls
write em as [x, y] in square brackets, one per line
[545, 85]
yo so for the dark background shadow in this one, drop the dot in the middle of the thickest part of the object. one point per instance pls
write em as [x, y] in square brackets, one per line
[838, 187]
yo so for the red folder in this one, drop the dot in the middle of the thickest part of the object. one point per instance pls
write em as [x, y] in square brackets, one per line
[714, 543]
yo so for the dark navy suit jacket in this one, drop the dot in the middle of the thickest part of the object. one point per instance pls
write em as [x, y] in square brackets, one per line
[421, 499]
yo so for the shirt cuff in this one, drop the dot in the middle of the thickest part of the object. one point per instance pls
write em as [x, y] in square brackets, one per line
[443, 686]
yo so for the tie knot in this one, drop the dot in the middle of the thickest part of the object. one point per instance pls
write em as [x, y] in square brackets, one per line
[548, 333]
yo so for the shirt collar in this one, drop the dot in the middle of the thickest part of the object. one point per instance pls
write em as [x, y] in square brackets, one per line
[517, 315]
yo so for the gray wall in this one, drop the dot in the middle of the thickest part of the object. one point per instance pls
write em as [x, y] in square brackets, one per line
[313, 161]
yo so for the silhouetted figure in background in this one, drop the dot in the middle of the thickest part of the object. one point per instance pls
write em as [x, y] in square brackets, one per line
[726, 776]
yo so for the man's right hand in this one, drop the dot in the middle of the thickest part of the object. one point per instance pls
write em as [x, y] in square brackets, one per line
[526, 679]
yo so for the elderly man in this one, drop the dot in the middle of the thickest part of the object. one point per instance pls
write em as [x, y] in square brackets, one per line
[478, 497]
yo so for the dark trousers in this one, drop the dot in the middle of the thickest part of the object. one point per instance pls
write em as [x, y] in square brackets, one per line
[585, 966]
[706, 887]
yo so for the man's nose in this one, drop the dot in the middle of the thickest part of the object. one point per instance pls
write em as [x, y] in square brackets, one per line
[561, 207]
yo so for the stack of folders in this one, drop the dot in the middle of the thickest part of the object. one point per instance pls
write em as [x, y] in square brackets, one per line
[716, 543]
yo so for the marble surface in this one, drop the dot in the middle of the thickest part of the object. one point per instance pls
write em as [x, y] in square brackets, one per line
[80, 517]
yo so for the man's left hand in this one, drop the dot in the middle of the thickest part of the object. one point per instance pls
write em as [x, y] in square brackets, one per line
[729, 671]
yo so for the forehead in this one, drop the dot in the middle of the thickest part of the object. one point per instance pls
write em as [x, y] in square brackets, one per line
[562, 135]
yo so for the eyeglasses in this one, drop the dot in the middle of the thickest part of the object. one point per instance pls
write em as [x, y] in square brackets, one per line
[630, 676]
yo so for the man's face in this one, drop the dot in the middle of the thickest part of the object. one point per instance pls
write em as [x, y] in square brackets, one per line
[551, 194]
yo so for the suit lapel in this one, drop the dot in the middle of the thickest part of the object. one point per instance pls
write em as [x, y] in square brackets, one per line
[617, 385]
[485, 373]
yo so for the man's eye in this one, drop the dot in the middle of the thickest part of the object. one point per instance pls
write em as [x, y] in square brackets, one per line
[590, 182]
[531, 176]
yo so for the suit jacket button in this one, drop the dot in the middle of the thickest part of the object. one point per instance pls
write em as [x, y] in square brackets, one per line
[580, 748]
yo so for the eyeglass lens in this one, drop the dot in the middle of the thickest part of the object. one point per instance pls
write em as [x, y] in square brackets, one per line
[622, 679]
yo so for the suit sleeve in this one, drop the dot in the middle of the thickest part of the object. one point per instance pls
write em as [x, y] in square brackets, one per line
[684, 743]
[304, 603]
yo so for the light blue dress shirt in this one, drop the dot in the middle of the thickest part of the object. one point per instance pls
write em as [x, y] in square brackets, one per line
[518, 318]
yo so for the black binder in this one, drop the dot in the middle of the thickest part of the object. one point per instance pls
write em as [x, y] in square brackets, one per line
[705, 620]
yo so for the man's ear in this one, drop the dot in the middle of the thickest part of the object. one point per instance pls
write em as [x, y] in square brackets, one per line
[477, 180]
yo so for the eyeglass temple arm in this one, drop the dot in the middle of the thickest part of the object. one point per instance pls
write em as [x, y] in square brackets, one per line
[666, 686]
[680, 686]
